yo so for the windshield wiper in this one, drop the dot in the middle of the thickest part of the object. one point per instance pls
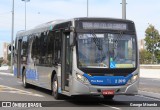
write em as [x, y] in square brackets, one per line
[98, 45]
[116, 41]
[96, 41]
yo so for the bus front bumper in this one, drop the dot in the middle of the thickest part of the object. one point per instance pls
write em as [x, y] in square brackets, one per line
[78, 88]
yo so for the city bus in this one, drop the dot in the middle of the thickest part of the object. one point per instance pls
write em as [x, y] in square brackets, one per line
[80, 56]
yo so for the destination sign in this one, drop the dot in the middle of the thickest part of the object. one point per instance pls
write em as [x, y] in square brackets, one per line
[104, 25]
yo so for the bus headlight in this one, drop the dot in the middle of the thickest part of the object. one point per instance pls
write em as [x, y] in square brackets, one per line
[133, 79]
[82, 78]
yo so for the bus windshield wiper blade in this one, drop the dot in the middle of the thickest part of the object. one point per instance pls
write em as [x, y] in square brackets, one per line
[96, 41]
[120, 35]
[98, 45]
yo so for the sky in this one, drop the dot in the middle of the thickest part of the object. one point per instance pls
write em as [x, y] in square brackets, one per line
[142, 12]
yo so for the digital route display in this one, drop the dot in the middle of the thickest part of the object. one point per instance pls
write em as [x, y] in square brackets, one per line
[104, 25]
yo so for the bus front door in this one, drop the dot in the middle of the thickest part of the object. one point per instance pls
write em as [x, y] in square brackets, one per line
[66, 62]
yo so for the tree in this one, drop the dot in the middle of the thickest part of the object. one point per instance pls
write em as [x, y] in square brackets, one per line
[145, 56]
[152, 39]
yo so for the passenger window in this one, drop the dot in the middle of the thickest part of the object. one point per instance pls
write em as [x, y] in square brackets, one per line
[24, 45]
[50, 46]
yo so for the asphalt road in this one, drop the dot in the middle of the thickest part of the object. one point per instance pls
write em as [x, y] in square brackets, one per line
[150, 85]
[11, 89]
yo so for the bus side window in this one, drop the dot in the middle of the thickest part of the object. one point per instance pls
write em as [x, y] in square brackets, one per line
[50, 47]
[34, 53]
[24, 45]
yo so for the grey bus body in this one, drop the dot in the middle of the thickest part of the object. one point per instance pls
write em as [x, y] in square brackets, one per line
[81, 56]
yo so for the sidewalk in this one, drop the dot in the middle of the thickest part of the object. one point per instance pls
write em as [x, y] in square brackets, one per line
[7, 74]
[5, 69]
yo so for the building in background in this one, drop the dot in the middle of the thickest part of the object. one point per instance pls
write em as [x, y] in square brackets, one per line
[5, 51]
[141, 44]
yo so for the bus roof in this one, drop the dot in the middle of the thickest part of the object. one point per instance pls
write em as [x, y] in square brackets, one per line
[47, 26]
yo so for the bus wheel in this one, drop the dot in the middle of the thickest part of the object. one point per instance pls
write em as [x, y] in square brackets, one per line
[55, 88]
[108, 97]
[25, 84]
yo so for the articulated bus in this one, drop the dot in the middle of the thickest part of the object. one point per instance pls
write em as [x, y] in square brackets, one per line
[80, 56]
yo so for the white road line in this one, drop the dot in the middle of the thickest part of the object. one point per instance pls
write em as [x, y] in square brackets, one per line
[148, 97]
[7, 74]
[18, 91]
[111, 106]
[150, 92]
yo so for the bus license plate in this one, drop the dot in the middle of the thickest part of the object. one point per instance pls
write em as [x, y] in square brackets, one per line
[108, 92]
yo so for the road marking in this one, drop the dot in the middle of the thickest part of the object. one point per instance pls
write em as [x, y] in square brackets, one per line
[150, 92]
[111, 106]
[148, 97]
[17, 91]
[8, 74]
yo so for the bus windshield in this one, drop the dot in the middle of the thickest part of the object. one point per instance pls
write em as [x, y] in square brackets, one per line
[106, 50]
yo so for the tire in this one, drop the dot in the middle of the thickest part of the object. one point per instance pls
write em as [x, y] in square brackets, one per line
[108, 97]
[55, 88]
[25, 84]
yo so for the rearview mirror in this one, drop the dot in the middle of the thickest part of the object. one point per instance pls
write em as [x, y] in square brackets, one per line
[10, 47]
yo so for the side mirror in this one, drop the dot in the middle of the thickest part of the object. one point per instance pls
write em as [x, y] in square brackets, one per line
[10, 47]
[72, 39]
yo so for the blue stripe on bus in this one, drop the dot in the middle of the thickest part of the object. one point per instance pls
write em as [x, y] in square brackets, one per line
[32, 74]
[108, 80]
[15, 71]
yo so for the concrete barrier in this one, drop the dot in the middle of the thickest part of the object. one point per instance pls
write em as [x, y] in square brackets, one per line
[150, 73]
[150, 66]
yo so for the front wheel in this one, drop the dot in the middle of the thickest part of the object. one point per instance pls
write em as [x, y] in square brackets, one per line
[55, 88]
[108, 97]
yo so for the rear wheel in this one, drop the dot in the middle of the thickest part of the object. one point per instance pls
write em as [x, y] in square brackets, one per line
[108, 97]
[55, 88]
[25, 84]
